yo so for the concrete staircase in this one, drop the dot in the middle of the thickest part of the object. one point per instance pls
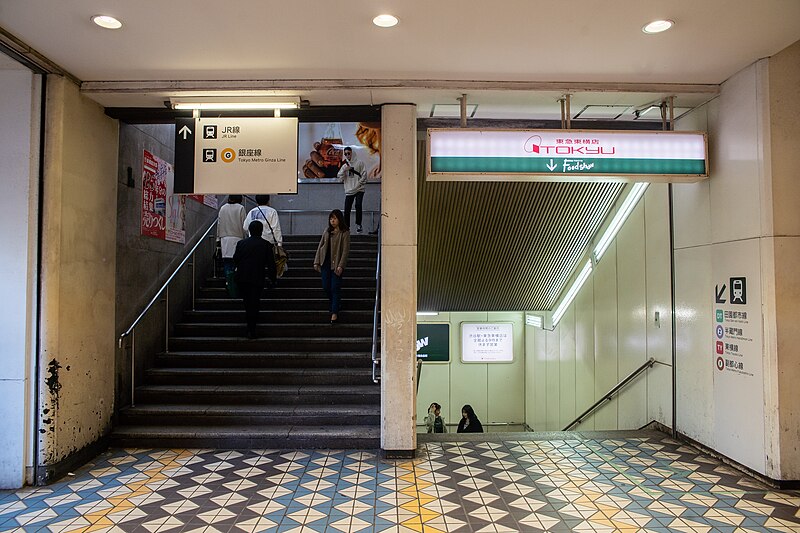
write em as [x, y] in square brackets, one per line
[303, 384]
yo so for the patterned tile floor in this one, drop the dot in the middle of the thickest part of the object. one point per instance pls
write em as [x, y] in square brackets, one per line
[575, 483]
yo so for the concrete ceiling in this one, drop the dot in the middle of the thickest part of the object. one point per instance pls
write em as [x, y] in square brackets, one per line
[332, 54]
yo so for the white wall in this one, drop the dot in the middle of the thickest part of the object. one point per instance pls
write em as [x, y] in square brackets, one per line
[609, 331]
[495, 390]
[718, 225]
[743, 222]
[19, 145]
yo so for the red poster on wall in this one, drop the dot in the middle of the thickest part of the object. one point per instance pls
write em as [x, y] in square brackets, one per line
[162, 212]
[154, 197]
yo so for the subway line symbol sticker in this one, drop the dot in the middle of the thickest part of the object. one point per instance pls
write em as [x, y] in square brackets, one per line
[228, 155]
[720, 363]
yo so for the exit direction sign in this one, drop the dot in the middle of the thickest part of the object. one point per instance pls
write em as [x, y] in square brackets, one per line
[235, 155]
[563, 155]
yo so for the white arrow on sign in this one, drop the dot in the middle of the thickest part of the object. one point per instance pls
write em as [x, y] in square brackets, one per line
[186, 131]
[551, 166]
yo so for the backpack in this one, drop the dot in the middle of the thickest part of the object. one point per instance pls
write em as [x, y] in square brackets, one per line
[438, 425]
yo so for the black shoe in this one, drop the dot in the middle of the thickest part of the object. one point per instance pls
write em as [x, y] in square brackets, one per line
[359, 229]
[252, 335]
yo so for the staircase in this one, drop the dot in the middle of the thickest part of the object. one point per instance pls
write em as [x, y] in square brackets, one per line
[303, 384]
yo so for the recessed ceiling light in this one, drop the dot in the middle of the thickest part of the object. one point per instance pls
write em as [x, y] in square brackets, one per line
[106, 21]
[385, 21]
[657, 26]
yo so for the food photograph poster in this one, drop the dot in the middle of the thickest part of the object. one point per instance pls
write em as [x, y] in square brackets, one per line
[320, 149]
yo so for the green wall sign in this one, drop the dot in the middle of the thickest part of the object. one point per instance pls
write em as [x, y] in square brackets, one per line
[433, 342]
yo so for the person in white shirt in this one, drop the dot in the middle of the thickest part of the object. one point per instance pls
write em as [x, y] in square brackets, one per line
[229, 230]
[268, 217]
[354, 177]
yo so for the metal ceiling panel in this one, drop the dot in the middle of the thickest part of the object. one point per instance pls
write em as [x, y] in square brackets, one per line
[498, 246]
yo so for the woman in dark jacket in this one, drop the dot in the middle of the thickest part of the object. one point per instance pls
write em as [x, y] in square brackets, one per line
[469, 422]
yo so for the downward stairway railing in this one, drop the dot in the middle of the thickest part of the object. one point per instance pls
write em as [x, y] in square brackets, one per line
[131, 331]
[607, 396]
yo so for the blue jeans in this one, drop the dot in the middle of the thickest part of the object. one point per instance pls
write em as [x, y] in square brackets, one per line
[332, 285]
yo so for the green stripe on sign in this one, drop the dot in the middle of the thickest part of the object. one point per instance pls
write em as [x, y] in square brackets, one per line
[566, 165]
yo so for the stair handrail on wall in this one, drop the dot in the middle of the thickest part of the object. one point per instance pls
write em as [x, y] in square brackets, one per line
[376, 360]
[607, 396]
[163, 290]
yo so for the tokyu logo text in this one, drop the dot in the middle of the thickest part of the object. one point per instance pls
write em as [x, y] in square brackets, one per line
[534, 145]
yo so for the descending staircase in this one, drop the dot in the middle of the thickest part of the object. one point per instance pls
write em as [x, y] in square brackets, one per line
[303, 384]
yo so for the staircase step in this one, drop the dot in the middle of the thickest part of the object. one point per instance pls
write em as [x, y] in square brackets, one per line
[249, 436]
[255, 415]
[284, 316]
[274, 344]
[281, 292]
[201, 359]
[267, 331]
[260, 376]
[258, 394]
[311, 304]
[302, 282]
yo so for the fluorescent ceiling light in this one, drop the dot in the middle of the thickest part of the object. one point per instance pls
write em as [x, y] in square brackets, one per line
[625, 209]
[234, 103]
[107, 21]
[385, 21]
[534, 320]
[572, 292]
[657, 26]
[427, 313]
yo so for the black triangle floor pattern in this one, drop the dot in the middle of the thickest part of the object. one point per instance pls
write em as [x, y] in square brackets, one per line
[516, 482]
[304, 383]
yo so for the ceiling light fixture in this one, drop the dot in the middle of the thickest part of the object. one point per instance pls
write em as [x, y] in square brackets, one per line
[619, 219]
[385, 21]
[572, 293]
[107, 21]
[657, 26]
[233, 103]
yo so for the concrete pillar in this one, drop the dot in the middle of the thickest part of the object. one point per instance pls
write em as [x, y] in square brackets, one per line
[780, 255]
[398, 279]
[78, 279]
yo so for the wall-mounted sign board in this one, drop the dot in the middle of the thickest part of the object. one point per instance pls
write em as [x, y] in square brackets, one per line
[566, 155]
[433, 342]
[487, 342]
[236, 155]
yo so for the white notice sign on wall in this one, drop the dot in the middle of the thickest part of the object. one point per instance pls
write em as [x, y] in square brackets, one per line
[245, 155]
[487, 343]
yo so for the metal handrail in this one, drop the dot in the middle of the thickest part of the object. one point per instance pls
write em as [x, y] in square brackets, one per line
[376, 361]
[371, 213]
[165, 287]
[607, 396]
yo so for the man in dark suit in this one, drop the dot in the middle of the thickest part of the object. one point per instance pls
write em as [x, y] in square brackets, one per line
[253, 259]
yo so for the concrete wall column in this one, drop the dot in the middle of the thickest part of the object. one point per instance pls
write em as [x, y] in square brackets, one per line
[783, 250]
[398, 277]
[78, 269]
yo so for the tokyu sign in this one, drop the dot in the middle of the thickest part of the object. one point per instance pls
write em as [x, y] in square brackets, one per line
[553, 155]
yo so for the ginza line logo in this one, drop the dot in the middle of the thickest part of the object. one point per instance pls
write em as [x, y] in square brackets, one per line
[534, 146]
